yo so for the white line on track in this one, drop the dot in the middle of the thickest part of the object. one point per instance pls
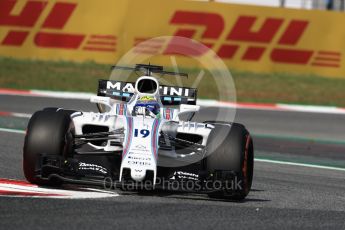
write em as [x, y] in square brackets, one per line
[12, 131]
[299, 164]
[24, 115]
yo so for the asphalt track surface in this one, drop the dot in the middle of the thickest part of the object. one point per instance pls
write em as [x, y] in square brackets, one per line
[283, 196]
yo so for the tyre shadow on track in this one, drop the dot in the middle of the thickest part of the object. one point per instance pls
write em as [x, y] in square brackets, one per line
[189, 196]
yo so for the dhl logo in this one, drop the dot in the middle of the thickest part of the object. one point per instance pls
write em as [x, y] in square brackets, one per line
[254, 42]
[42, 23]
[20, 26]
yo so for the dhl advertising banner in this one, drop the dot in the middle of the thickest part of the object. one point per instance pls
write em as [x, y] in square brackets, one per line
[62, 30]
[250, 38]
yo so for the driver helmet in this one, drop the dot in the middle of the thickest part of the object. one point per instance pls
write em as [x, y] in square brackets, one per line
[150, 103]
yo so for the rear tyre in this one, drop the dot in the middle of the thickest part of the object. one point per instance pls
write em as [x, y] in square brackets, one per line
[48, 132]
[231, 149]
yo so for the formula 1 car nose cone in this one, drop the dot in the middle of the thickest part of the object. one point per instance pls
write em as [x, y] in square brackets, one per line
[138, 174]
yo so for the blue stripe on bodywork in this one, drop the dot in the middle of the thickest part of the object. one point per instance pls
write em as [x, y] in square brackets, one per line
[129, 136]
[155, 137]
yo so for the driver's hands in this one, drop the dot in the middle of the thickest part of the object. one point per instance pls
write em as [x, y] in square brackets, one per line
[140, 110]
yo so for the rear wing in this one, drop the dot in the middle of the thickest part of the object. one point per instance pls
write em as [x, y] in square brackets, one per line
[170, 95]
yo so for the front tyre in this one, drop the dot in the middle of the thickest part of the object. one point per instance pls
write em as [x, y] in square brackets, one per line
[233, 153]
[48, 132]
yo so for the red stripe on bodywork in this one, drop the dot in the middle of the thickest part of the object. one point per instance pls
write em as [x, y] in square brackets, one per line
[167, 114]
[154, 135]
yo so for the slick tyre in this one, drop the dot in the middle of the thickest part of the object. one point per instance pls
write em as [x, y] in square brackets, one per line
[48, 132]
[230, 148]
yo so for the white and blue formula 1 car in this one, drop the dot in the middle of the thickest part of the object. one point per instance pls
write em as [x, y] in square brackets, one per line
[142, 136]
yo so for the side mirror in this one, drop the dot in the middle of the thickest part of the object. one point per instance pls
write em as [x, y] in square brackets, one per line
[102, 103]
[188, 110]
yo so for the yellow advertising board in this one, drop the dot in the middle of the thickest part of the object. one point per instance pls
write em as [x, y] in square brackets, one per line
[250, 38]
[61, 30]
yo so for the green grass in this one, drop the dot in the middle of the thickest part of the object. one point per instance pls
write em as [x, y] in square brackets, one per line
[250, 87]
[289, 88]
[68, 76]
